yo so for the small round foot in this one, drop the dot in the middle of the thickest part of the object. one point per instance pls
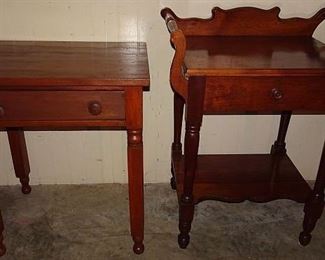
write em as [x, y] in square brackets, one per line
[26, 189]
[138, 248]
[304, 239]
[2, 250]
[173, 183]
[183, 241]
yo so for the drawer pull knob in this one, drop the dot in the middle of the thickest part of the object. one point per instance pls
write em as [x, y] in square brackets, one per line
[94, 108]
[277, 94]
[2, 111]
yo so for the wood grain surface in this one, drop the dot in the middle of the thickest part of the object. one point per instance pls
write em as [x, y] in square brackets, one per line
[255, 56]
[73, 63]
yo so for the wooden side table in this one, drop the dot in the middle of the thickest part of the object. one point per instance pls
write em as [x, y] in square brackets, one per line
[244, 60]
[76, 85]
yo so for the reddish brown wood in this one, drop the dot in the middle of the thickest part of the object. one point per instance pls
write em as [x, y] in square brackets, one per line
[95, 108]
[177, 71]
[193, 118]
[236, 94]
[2, 246]
[235, 22]
[135, 165]
[73, 105]
[177, 145]
[19, 157]
[279, 146]
[76, 64]
[315, 204]
[254, 56]
[76, 85]
[235, 178]
[64, 124]
[251, 61]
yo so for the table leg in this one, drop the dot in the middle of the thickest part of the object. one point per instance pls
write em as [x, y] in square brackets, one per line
[20, 157]
[279, 146]
[278, 149]
[315, 204]
[135, 166]
[186, 203]
[177, 145]
[2, 246]
[194, 114]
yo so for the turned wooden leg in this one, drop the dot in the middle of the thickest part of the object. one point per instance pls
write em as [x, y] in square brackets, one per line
[186, 213]
[186, 202]
[314, 205]
[177, 145]
[20, 157]
[279, 146]
[2, 246]
[194, 113]
[278, 149]
[135, 166]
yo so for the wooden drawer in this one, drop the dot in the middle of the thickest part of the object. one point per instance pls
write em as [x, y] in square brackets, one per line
[62, 105]
[240, 94]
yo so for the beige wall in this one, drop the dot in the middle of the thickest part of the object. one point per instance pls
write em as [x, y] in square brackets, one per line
[91, 157]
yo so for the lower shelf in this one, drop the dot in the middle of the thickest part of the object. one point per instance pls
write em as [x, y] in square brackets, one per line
[235, 178]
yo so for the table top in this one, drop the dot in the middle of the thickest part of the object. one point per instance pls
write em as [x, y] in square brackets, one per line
[73, 63]
[254, 56]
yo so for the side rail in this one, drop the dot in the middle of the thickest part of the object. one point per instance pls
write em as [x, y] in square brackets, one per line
[178, 41]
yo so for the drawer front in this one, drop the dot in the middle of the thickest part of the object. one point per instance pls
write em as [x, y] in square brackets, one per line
[249, 94]
[62, 105]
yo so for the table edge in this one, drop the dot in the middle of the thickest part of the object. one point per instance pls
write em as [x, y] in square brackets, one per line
[254, 72]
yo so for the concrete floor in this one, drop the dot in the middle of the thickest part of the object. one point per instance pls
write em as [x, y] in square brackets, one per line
[91, 222]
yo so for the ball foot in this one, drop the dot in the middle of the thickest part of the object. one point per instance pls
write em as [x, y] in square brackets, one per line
[138, 248]
[304, 239]
[183, 241]
[26, 189]
[2, 250]
[173, 183]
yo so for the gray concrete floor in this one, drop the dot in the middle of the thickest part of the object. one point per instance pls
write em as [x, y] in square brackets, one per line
[91, 222]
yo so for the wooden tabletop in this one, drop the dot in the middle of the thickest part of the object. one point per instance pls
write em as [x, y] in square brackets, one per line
[239, 56]
[73, 64]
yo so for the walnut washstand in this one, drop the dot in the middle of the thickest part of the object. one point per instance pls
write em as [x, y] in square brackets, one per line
[238, 61]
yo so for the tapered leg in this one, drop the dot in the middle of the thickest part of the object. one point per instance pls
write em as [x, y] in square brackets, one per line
[2, 246]
[194, 113]
[177, 145]
[314, 205]
[279, 146]
[135, 172]
[20, 157]
[135, 166]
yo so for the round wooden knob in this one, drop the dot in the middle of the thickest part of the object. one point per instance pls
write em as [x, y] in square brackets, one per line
[2, 111]
[276, 94]
[94, 108]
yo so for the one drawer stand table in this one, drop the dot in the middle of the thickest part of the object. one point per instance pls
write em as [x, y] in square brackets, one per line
[76, 85]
